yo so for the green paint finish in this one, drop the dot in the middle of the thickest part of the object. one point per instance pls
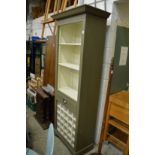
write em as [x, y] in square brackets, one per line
[90, 83]
[82, 10]
[91, 56]
[120, 78]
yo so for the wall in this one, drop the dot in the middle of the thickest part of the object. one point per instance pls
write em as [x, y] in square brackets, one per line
[119, 16]
[34, 27]
[31, 25]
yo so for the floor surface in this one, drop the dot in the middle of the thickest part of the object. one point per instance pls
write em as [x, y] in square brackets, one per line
[39, 137]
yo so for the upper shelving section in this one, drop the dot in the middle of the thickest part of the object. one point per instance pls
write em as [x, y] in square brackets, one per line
[71, 35]
[70, 45]
[69, 54]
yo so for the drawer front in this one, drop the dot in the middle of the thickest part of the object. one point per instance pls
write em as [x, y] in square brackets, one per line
[119, 113]
[66, 121]
[67, 102]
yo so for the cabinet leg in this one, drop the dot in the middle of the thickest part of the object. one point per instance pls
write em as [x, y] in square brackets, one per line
[102, 138]
[126, 152]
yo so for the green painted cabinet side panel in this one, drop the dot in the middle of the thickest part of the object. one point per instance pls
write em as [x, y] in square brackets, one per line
[91, 75]
[120, 79]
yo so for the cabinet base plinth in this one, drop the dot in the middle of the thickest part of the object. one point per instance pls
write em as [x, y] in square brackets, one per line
[73, 152]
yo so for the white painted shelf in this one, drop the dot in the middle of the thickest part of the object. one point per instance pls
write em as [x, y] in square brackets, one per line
[71, 44]
[70, 66]
[72, 93]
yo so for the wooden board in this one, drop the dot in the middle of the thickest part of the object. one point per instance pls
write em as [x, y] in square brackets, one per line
[120, 106]
[119, 113]
[121, 98]
[116, 142]
[49, 72]
[119, 125]
[37, 66]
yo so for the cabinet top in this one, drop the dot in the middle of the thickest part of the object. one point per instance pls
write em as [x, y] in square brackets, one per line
[83, 9]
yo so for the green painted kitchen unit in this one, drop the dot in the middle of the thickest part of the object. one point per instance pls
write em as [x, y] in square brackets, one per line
[79, 55]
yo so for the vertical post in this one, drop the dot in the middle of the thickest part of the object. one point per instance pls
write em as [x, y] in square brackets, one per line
[126, 151]
[55, 6]
[104, 127]
[62, 4]
[45, 16]
[75, 3]
[65, 4]
[58, 5]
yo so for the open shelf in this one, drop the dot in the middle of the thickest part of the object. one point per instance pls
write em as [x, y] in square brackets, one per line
[117, 135]
[71, 33]
[69, 92]
[121, 126]
[70, 44]
[69, 54]
[116, 141]
[68, 80]
[70, 66]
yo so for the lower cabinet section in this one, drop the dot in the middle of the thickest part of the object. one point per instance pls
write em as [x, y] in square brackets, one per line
[66, 123]
[67, 129]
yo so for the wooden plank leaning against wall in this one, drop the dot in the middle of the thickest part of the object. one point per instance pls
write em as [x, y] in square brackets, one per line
[49, 71]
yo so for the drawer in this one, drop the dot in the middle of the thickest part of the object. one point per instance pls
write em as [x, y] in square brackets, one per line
[119, 113]
[65, 101]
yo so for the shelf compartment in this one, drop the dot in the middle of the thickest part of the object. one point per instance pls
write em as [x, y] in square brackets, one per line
[116, 142]
[70, 33]
[68, 80]
[69, 54]
[70, 66]
[123, 127]
[118, 134]
[69, 92]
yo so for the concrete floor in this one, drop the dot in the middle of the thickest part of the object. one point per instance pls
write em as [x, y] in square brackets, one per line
[39, 136]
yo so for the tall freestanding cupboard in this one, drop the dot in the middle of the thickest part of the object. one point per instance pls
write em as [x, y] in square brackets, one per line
[79, 53]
